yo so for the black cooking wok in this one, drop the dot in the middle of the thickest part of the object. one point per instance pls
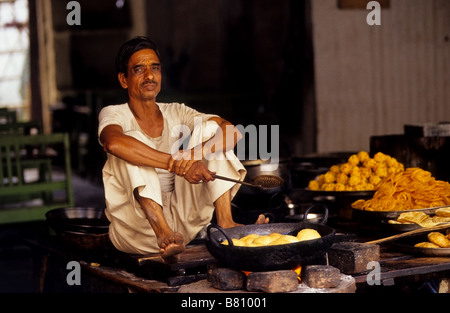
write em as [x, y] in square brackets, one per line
[78, 219]
[269, 258]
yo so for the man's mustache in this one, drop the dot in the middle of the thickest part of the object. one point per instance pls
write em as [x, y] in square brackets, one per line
[149, 82]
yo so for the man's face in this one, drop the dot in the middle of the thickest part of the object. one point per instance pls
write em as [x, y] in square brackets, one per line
[143, 79]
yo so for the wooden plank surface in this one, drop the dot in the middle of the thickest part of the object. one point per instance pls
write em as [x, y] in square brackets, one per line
[133, 282]
[403, 266]
[193, 256]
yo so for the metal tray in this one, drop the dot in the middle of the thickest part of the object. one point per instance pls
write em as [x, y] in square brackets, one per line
[399, 228]
[379, 216]
[407, 246]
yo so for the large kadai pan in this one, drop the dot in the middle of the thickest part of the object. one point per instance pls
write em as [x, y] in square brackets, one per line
[269, 258]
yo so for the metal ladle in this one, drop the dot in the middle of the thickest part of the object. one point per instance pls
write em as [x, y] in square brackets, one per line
[262, 181]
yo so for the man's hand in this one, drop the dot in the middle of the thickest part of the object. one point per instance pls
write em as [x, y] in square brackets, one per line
[181, 162]
[198, 173]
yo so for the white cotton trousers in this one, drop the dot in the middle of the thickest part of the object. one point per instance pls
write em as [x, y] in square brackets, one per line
[187, 209]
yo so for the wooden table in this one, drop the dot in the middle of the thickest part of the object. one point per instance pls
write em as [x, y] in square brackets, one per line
[122, 273]
[400, 269]
[108, 270]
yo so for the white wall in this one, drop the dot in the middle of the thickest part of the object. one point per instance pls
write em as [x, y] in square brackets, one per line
[371, 80]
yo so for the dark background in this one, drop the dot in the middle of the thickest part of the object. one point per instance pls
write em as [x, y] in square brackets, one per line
[250, 61]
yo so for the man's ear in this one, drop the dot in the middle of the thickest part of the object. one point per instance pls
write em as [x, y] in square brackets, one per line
[122, 80]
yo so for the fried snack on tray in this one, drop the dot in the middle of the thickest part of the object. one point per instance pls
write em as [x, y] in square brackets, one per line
[436, 240]
[254, 240]
[426, 244]
[440, 219]
[411, 189]
[413, 217]
[439, 239]
[443, 212]
[361, 172]
[420, 218]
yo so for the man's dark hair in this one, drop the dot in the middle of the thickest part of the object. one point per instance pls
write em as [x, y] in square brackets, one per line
[131, 46]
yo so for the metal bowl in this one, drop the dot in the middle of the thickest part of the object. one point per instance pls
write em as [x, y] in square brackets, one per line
[78, 219]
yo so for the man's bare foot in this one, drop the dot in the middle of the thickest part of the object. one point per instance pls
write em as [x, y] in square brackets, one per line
[171, 247]
[230, 224]
[262, 219]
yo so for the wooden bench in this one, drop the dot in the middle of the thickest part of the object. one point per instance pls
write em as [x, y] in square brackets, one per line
[22, 199]
[20, 128]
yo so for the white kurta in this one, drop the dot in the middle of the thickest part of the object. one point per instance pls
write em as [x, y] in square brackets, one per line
[187, 207]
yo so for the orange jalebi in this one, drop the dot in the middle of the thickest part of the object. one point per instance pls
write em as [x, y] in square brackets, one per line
[411, 189]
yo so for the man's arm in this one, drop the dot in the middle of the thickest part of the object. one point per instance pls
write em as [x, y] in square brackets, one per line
[131, 150]
[225, 138]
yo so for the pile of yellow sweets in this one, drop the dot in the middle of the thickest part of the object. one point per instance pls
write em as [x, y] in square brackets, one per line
[360, 173]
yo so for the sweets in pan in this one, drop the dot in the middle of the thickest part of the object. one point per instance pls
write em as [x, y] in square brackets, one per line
[255, 240]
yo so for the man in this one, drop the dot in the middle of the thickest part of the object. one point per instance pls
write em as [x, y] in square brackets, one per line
[159, 198]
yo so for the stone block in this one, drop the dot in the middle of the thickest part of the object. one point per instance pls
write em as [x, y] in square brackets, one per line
[321, 276]
[353, 257]
[273, 281]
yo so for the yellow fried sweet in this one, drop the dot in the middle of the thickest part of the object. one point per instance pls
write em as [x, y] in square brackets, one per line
[395, 222]
[353, 160]
[255, 240]
[439, 239]
[314, 185]
[440, 219]
[262, 240]
[375, 180]
[308, 234]
[329, 177]
[411, 189]
[236, 242]
[346, 168]
[426, 244]
[380, 157]
[354, 180]
[359, 204]
[363, 156]
[429, 222]
[339, 187]
[359, 173]
[334, 169]
[285, 239]
[341, 178]
[412, 217]
[422, 219]
[369, 163]
[248, 240]
[443, 212]
[249, 237]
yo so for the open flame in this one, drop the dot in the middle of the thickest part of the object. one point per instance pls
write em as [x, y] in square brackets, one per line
[246, 273]
[298, 270]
